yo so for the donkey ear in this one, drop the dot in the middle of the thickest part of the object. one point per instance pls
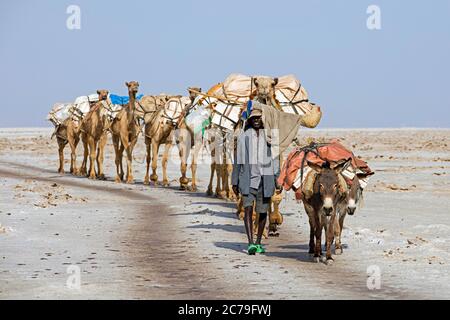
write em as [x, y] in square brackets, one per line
[127, 84]
[98, 92]
[341, 166]
[315, 167]
[275, 82]
[255, 81]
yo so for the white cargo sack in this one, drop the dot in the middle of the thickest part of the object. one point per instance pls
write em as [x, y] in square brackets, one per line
[82, 104]
[59, 113]
[174, 108]
[198, 119]
[226, 116]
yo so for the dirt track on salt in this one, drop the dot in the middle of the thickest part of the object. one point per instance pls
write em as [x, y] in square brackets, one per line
[147, 242]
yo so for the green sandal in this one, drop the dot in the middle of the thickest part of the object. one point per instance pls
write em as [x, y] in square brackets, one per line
[252, 248]
[260, 249]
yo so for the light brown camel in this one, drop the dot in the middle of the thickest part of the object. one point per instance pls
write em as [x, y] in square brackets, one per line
[93, 133]
[125, 131]
[187, 140]
[160, 130]
[68, 133]
[156, 133]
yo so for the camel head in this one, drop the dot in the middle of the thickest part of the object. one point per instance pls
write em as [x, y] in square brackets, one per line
[133, 87]
[102, 94]
[193, 92]
[265, 88]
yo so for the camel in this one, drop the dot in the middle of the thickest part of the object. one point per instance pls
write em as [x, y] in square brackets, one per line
[68, 133]
[93, 133]
[125, 130]
[186, 139]
[159, 130]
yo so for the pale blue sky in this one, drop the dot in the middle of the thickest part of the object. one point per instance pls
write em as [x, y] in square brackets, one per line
[394, 77]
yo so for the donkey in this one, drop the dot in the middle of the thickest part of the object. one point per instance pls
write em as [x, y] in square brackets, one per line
[321, 207]
[347, 206]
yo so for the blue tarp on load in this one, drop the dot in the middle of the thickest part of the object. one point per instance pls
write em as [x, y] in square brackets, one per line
[115, 99]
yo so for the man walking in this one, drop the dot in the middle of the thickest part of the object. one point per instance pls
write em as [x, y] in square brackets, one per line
[254, 176]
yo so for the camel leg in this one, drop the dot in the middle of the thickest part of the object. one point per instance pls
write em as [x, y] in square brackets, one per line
[218, 192]
[130, 178]
[127, 146]
[116, 143]
[275, 215]
[195, 154]
[148, 145]
[83, 171]
[240, 208]
[231, 194]
[165, 161]
[73, 148]
[100, 157]
[121, 150]
[155, 151]
[92, 157]
[224, 180]
[184, 154]
[61, 145]
[209, 192]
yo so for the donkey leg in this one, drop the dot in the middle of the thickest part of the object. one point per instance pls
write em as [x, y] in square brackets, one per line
[329, 236]
[337, 231]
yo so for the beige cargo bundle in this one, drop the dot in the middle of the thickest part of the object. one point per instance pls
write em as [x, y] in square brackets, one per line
[289, 94]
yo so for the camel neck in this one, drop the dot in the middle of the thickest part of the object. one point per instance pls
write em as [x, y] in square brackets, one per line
[132, 96]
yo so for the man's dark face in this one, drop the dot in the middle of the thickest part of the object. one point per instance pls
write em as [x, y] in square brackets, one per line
[256, 122]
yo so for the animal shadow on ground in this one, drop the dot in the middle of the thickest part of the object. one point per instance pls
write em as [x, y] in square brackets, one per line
[299, 253]
[240, 247]
[208, 212]
[225, 227]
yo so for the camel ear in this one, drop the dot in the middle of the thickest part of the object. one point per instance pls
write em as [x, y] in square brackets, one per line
[255, 81]
[275, 82]
[127, 84]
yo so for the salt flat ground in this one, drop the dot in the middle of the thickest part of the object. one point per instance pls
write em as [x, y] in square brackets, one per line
[147, 242]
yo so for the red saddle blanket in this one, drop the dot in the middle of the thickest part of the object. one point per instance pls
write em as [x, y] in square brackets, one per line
[319, 154]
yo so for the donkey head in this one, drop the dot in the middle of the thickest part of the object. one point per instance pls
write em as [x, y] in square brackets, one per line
[354, 196]
[329, 186]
